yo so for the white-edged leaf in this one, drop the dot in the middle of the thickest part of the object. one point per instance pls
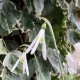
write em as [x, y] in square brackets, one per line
[10, 60]
[41, 70]
[73, 14]
[77, 2]
[2, 48]
[39, 5]
[63, 4]
[7, 75]
[52, 56]
[1, 5]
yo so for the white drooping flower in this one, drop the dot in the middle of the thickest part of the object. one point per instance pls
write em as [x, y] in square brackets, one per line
[73, 60]
[40, 38]
[7, 59]
[23, 60]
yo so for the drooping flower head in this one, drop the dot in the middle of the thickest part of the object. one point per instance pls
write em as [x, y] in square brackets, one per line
[23, 60]
[40, 38]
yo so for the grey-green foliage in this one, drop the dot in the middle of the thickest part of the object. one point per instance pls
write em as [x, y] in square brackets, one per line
[73, 36]
[10, 60]
[18, 21]
[7, 75]
[8, 16]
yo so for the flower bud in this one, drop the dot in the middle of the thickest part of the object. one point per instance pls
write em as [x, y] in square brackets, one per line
[43, 26]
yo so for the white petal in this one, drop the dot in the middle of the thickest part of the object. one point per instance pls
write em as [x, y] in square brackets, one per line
[6, 60]
[24, 56]
[25, 66]
[27, 69]
[37, 42]
[31, 46]
[41, 31]
[44, 53]
[16, 64]
[43, 34]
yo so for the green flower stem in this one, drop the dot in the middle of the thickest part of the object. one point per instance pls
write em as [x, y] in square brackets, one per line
[55, 45]
[43, 78]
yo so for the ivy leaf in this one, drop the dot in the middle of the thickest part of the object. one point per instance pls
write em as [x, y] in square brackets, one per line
[72, 36]
[2, 48]
[63, 4]
[33, 34]
[77, 3]
[48, 8]
[52, 56]
[9, 15]
[27, 20]
[1, 68]
[3, 32]
[10, 60]
[1, 5]
[57, 18]
[39, 5]
[29, 5]
[45, 73]
[73, 14]
[43, 70]
[7, 75]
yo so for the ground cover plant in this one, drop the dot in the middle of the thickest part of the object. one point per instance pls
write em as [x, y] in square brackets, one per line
[39, 39]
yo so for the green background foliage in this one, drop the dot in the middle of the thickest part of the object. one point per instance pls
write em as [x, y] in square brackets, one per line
[19, 25]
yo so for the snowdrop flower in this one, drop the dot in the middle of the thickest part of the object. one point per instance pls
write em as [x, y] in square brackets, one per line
[73, 60]
[40, 38]
[7, 61]
[23, 60]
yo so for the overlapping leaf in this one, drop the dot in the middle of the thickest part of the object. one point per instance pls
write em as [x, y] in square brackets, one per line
[72, 36]
[9, 15]
[2, 48]
[63, 4]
